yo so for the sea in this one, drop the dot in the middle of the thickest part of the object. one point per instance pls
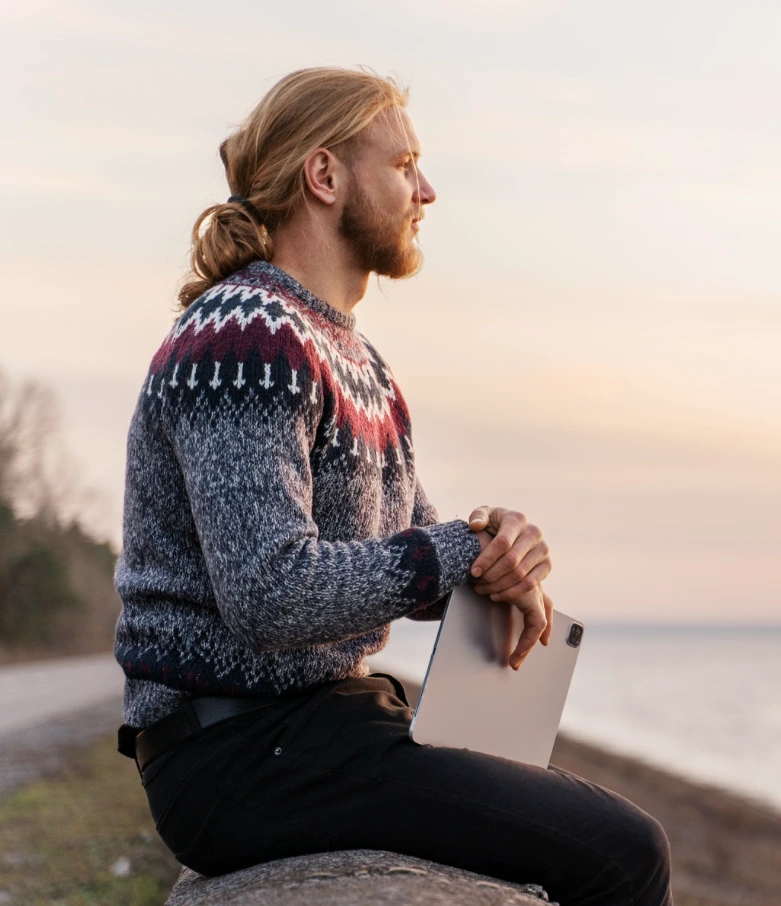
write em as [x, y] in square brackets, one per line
[703, 701]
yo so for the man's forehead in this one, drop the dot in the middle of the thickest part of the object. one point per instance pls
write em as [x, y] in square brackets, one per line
[392, 132]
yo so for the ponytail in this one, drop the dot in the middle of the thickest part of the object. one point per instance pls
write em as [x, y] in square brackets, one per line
[232, 238]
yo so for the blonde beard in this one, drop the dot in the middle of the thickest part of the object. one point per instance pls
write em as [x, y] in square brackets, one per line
[367, 230]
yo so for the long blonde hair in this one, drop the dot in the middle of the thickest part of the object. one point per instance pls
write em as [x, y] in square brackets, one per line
[264, 162]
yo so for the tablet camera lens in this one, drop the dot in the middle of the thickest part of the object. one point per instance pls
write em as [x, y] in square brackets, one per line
[575, 635]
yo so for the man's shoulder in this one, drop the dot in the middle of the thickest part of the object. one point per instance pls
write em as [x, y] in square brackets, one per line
[236, 347]
[235, 320]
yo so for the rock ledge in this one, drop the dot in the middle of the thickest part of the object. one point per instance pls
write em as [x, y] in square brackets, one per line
[352, 878]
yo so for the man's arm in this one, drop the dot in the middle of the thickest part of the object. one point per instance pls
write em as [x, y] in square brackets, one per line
[277, 585]
[424, 513]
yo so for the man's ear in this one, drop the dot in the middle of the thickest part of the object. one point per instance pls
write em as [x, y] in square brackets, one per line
[323, 175]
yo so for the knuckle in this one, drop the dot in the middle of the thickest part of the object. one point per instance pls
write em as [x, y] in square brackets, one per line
[518, 572]
[544, 547]
[534, 531]
[503, 543]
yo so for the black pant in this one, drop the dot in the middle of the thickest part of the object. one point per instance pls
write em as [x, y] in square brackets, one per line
[334, 768]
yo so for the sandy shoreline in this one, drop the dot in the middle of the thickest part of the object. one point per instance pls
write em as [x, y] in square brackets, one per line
[726, 849]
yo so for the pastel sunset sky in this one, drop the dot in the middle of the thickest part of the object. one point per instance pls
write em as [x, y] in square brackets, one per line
[595, 337]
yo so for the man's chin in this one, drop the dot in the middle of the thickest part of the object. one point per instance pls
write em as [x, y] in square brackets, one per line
[401, 274]
[409, 266]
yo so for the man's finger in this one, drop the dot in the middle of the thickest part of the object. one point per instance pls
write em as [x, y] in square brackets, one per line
[534, 625]
[535, 575]
[513, 567]
[495, 549]
[507, 527]
[545, 637]
[479, 518]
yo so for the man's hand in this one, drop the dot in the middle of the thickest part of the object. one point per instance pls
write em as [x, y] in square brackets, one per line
[537, 610]
[515, 554]
[513, 572]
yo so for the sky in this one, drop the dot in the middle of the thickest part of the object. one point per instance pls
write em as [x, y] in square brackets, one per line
[594, 336]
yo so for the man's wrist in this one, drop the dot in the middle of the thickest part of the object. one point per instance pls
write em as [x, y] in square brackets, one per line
[457, 548]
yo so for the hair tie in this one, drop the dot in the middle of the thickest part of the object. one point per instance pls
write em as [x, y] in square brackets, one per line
[247, 205]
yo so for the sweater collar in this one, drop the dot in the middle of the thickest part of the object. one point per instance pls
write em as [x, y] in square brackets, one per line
[265, 269]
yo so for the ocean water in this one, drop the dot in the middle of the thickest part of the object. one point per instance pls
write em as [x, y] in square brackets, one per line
[702, 701]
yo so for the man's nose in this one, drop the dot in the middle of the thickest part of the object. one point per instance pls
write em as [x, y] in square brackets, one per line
[426, 193]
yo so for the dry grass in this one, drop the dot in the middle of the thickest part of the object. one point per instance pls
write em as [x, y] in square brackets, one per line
[60, 838]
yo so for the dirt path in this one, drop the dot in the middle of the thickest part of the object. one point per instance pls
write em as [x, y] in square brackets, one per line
[45, 690]
[50, 709]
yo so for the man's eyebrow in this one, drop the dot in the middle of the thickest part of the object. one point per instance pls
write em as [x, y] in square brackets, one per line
[405, 151]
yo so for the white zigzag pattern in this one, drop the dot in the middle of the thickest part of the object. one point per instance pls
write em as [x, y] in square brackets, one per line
[379, 398]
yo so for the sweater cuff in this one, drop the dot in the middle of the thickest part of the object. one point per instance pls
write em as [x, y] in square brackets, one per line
[457, 548]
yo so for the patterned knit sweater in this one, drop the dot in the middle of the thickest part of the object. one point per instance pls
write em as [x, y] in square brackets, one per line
[273, 523]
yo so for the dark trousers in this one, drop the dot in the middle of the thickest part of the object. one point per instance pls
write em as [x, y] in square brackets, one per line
[334, 768]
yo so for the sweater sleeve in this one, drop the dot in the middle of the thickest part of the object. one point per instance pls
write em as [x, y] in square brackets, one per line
[277, 584]
[424, 513]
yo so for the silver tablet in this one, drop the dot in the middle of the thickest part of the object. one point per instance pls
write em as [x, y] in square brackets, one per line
[471, 697]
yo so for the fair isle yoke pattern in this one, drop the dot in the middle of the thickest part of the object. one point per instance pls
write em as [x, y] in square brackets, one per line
[215, 346]
[273, 523]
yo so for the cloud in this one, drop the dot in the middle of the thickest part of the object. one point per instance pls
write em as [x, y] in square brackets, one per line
[573, 141]
[757, 201]
[480, 15]
[184, 33]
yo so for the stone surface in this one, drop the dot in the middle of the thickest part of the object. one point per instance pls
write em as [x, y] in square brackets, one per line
[352, 878]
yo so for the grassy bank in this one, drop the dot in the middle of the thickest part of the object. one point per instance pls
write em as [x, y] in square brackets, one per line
[84, 838]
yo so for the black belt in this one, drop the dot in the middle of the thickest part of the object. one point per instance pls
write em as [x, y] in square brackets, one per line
[197, 714]
[187, 720]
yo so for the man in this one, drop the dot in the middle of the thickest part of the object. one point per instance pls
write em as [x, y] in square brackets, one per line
[274, 527]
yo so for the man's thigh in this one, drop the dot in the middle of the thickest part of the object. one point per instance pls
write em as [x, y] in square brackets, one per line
[350, 773]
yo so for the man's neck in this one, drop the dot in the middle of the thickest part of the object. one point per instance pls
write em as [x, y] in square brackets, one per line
[321, 264]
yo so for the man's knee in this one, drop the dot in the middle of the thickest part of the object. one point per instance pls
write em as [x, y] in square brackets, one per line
[648, 851]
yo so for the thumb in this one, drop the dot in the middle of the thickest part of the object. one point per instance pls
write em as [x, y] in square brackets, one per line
[479, 518]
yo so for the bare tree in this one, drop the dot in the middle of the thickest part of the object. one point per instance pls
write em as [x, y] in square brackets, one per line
[38, 476]
[56, 581]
